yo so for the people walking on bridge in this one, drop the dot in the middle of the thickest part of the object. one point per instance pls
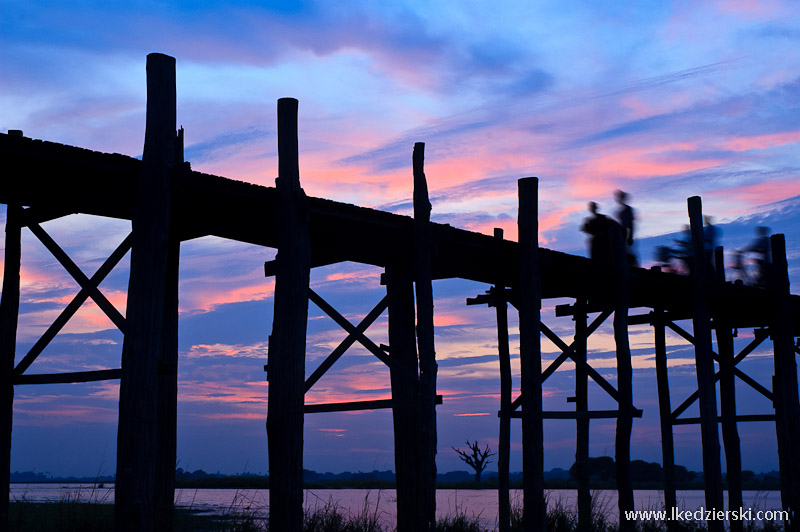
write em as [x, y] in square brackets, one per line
[601, 230]
[625, 218]
[760, 247]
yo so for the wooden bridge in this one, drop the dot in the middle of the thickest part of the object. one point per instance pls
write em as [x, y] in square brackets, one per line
[167, 202]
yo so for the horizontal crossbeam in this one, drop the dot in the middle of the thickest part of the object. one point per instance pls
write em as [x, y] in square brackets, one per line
[739, 419]
[71, 377]
[350, 406]
[563, 414]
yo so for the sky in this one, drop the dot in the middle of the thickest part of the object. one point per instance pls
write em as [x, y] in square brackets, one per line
[664, 100]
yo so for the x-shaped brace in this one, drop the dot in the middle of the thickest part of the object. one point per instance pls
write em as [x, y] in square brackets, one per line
[88, 289]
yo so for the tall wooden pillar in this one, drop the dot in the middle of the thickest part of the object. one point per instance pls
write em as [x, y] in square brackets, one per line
[530, 304]
[709, 432]
[504, 439]
[622, 446]
[411, 507]
[787, 407]
[9, 313]
[665, 413]
[143, 451]
[425, 337]
[582, 423]
[727, 399]
[287, 349]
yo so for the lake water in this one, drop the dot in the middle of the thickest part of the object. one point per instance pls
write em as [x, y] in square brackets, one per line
[481, 503]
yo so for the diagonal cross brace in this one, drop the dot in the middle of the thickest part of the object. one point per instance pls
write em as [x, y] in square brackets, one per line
[347, 342]
[747, 379]
[351, 329]
[567, 351]
[88, 289]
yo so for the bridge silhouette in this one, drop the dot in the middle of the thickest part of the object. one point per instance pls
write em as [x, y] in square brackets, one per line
[168, 202]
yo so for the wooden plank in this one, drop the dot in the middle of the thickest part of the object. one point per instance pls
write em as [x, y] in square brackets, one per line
[665, 413]
[530, 303]
[580, 344]
[352, 406]
[288, 339]
[704, 364]
[504, 438]
[9, 314]
[70, 377]
[739, 419]
[727, 399]
[74, 305]
[139, 444]
[405, 390]
[345, 344]
[423, 287]
[787, 407]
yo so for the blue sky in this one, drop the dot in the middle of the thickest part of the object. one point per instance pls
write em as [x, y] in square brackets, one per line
[662, 99]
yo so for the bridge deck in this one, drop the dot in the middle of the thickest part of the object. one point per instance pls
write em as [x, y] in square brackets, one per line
[55, 180]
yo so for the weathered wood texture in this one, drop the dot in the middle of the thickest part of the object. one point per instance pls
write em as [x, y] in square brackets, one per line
[704, 364]
[411, 505]
[787, 407]
[529, 308]
[9, 313]
[727, 399]
[287, 347]
[423, 285]
[582, 424]
[139, 444]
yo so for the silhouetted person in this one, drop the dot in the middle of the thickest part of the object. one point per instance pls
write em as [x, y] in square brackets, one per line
[625, 219]
[710, 237]
[760, 247]
[601, 229]
[740, 267]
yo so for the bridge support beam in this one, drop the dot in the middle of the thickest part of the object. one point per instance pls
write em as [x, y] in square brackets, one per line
[787, 408]
[411, 504]
[530, 304]
[582, 423]
[287, 346]
[144, 488]
[9, 313]
[665, 413]
[704, 364]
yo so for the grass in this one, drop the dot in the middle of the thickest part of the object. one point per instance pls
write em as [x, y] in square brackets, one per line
[73, 514]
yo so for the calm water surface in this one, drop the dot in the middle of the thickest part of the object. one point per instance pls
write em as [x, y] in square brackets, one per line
[481, 503]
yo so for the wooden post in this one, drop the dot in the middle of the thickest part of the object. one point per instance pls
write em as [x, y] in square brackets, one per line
[404, 380]
[712, 472]
[530, 304]
[582, 423]
[787, 407]
[622, 447]
[727, 399]
[425, 339]
[504, 440]
[665, 413]
[286, 375]
[9, 313]
[139, 444]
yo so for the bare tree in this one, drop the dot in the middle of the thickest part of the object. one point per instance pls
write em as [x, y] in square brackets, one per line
[477, 459]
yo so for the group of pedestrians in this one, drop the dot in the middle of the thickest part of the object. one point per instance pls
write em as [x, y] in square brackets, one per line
[608, 235]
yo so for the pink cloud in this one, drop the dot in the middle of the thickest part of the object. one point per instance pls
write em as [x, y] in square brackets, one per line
[761, 142]
[761, 193]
